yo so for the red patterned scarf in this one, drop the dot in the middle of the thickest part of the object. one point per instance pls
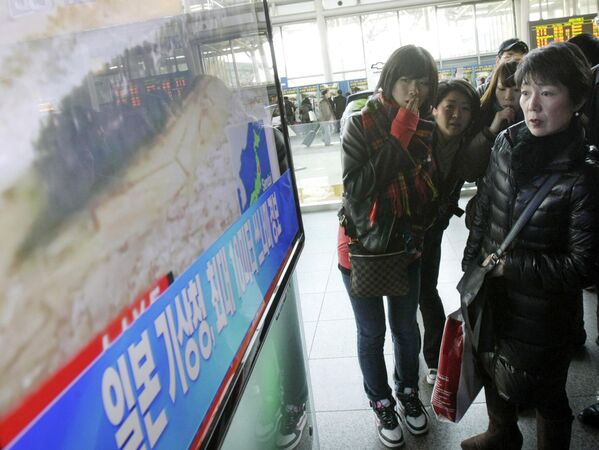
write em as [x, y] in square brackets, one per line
[413, 191]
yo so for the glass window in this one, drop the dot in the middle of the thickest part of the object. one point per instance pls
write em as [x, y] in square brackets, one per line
[534, 10]
[240, 62]
[301, 44]
[277, 43]
[346, 52]
[349, 75]
[180, 60]
[136, 63]
[218, 61]
[551, 9]
[285, 7]
[303, 81]
[586, 6]
[381, 36]
[417, 26]
[456, 31]
[494, 23]
[251, 61]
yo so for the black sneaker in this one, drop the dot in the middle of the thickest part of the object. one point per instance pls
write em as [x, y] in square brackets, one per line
[590, 415]
[387, 423]
[291, 426]
[413, 411]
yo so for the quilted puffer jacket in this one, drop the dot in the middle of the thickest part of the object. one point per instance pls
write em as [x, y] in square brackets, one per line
[554, 255]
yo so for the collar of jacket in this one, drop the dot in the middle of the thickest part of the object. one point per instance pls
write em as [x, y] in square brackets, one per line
[559, 152]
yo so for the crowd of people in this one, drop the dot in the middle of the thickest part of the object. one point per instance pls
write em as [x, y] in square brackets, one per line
[406, 155]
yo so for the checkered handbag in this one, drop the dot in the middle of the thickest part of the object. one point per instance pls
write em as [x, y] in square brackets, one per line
[375, 275]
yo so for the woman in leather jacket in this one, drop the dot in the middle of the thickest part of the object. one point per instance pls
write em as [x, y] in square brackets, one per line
[532, 295]
[388, 173]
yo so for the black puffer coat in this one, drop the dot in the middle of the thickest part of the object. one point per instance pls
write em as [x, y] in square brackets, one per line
[554, 255]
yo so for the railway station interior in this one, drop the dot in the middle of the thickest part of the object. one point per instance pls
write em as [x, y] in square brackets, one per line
[353, 40]
[302, 338]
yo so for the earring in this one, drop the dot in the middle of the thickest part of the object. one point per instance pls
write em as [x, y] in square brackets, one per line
[577, 114]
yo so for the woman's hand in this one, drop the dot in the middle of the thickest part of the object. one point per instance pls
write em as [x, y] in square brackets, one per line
[499, 268]
[503, 119]
[414, 104]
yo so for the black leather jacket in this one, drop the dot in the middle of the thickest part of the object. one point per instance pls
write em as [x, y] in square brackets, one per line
[554, 255]
[364, 176]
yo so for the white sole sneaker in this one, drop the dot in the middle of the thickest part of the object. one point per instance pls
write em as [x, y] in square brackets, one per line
[386, 438]
[413, 429]
[431, 377]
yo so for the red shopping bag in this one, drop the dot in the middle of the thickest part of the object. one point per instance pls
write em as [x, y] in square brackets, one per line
[458, 382]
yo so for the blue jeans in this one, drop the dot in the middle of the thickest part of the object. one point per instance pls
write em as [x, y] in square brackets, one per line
[370, 323]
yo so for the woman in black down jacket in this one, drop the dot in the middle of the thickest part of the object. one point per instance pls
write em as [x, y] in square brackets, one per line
[532, 294]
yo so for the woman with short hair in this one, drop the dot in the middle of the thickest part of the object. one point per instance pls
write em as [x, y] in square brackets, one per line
[532, 294]
[388, 173]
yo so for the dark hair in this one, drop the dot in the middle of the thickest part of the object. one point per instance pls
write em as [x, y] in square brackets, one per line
[324, 92]
[446, 87]
[513, 44]
[411, 62]
[589, 45]
[559, 62]
[504, 72]
[339, 91]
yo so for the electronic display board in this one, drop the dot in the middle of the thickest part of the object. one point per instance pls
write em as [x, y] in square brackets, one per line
[543, 32]
[149, 218]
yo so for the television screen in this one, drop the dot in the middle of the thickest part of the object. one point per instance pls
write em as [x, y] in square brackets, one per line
[148, 216]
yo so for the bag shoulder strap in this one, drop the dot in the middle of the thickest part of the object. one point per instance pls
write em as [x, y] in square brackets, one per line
[531, 207]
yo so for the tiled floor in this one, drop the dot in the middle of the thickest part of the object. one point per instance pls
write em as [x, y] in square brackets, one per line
[344, 419]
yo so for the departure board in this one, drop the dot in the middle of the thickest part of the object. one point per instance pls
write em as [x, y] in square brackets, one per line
[561, 29]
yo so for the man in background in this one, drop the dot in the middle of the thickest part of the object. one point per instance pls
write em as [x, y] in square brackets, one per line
[340, 103]
[512, 48]
[289, 110]
[326, 115]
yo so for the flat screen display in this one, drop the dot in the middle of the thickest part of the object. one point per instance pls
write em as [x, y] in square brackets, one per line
[148, 216]
[561, 29]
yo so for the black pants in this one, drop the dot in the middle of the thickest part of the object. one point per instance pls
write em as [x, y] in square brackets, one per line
[431, 306]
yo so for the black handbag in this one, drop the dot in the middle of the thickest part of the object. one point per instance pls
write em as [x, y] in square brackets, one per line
[354, 216]
[377, 274]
